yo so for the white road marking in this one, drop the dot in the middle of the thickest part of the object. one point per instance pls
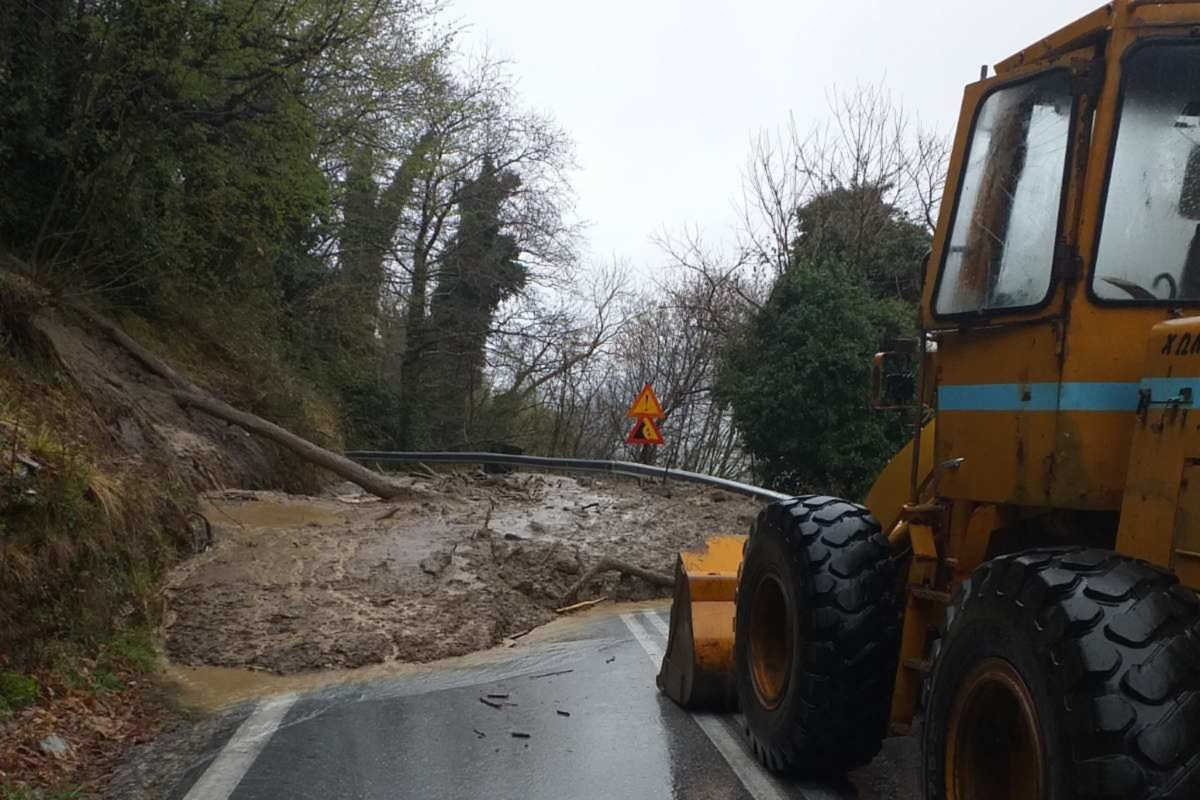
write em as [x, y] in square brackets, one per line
[760, 784]
[230, 766]
[658, 622]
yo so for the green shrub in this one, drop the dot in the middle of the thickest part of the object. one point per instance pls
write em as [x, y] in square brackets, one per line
[134, 649]
[17, 690]
[797, 382]
[10, 791]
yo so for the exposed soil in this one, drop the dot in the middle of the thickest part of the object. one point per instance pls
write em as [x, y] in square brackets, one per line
[130, 417]
[305, 583]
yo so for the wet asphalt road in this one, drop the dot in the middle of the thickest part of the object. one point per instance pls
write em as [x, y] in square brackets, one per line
[590, 724]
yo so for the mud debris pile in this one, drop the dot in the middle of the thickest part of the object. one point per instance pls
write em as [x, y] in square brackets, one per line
[460, 564]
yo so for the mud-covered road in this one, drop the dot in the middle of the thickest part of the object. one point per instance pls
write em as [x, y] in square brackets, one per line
[572, 712]
[338, 646]
[458, 564]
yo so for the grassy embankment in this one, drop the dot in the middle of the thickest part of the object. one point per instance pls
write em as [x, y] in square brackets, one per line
[89, 526]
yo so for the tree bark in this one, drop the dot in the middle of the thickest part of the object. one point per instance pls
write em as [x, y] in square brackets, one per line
[373, 482]
[147, 359]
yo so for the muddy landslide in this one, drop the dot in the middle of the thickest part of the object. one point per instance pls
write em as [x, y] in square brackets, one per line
[462, 562]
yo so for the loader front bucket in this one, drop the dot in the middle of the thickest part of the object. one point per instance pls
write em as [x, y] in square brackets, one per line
[697, 668]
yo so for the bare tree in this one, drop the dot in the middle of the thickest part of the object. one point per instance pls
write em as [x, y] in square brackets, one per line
[470, 120]
[869, 141]
[869, 159]
[671, 337]
[541, 356]
[565, 358]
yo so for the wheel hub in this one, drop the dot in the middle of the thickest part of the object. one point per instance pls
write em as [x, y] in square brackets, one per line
[994, 750]
[771, 643]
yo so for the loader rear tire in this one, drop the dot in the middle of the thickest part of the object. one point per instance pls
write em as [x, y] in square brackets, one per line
[1066, 674]
[816, 636]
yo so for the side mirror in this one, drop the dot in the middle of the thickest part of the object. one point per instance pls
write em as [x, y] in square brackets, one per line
[894, 379]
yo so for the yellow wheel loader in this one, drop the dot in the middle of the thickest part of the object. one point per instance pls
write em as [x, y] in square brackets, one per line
[1022, 577]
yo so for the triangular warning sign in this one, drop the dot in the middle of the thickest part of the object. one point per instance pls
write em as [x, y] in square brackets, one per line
[646, 405]
[644, 432]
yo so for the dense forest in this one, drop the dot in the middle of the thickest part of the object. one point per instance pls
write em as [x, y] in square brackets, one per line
[357, 211]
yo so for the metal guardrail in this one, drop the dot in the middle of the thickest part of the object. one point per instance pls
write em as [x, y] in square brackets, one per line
[627, 468]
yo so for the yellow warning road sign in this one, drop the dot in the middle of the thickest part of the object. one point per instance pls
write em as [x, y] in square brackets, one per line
[646, 405]
[644, 432]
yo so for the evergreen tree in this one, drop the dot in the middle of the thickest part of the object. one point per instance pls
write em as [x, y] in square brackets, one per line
[480, 271]
[855, 226]
[797, 376]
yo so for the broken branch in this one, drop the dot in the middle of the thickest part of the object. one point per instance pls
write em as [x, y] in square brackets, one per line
[577, 606]
[607, 564]
[389, 514]
[147, 359]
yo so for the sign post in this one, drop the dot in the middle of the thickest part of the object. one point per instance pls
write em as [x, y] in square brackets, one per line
[645, 410]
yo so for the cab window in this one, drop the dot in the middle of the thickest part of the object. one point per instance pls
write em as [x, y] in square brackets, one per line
[1001, 249]
[1150, 236]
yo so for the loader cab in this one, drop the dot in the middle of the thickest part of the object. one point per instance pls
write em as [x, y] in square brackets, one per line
[1069, 234]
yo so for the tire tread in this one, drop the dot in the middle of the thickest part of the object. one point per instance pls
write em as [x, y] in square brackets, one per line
[851, 647]
[1120, 640]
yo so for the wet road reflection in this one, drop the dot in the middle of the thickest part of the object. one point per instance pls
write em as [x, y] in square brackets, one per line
[570, 719]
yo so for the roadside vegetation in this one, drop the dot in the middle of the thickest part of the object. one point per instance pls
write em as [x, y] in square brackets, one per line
[63, 729]
[328, 214]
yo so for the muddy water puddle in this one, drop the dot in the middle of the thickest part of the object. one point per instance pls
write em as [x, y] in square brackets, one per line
[267, 511]
[208, 688]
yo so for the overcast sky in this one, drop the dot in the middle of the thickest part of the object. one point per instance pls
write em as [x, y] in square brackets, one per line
[662, 96]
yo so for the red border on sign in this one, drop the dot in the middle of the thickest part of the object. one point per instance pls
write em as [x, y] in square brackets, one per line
[639, 433]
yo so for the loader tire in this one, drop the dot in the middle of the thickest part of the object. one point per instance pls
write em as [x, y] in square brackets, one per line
[816, 636]
[1066, 674]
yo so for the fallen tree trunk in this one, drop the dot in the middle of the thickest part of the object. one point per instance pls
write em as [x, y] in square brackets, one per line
[373, 482]
[607, 564]
[188, 394]
[147, 359]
